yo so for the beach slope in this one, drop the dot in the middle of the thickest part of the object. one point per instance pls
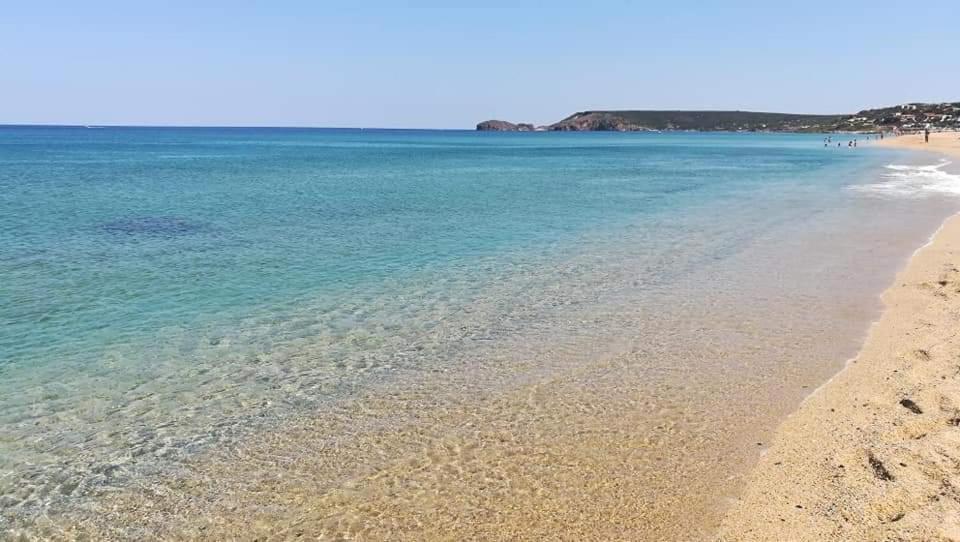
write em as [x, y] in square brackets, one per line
[874, 454]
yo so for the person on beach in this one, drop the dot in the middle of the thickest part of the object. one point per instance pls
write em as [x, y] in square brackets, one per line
[926, 135]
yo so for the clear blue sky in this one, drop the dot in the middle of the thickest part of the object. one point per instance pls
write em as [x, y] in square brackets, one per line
[431, 64]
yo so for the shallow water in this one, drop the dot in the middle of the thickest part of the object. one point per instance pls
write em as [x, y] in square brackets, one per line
[192, 304]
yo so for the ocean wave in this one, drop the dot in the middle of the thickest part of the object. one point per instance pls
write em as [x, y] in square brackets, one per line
[913, 181]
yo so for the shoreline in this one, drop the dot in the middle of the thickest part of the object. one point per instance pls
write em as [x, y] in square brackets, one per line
[874, 452]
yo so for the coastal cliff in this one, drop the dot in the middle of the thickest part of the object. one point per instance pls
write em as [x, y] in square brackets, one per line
[913, 116]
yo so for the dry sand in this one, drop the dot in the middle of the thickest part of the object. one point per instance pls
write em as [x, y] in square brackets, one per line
[945, 142]
[874, 454]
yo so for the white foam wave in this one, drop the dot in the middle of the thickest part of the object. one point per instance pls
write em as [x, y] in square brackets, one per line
[913, 181]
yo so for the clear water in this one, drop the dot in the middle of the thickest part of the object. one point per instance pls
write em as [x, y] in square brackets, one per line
[163, 290]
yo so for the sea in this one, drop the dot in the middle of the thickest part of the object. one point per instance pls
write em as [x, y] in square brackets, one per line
[415, 334]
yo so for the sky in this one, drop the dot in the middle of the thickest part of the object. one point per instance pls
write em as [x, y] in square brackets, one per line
[451, 65]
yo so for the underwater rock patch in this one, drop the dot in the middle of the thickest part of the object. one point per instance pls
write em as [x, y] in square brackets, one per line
[161, 226]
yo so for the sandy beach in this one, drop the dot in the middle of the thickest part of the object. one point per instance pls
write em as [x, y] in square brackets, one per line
[944, 142]
[874, 454]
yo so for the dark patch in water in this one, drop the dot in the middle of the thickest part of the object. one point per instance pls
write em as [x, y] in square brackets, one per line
[159, 226]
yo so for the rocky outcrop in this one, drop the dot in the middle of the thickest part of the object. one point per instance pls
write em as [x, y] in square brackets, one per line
[503, 126]
[595, 121]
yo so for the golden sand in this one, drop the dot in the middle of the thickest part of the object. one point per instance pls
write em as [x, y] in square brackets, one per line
[945, 142]
[874, 454]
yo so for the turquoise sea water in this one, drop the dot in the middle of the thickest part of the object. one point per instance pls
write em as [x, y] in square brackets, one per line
[165, 289]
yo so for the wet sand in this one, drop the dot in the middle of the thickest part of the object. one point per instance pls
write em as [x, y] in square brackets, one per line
[874, 454]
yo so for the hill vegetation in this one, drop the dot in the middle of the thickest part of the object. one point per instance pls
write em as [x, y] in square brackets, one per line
[906, 117]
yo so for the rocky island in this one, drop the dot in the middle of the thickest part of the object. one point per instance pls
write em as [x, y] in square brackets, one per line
[913, 116]
[503, 126]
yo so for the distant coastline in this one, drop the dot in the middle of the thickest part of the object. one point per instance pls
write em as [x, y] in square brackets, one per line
[904, 117]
